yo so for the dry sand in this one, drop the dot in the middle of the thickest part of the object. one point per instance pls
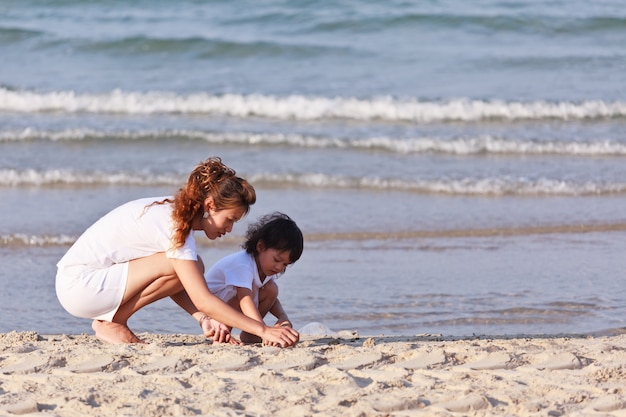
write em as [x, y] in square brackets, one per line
[172, 375]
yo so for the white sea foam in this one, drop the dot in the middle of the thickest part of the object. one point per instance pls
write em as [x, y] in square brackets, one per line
[21, 239]
[457, 146]
[299, 107]
[493, 186]
[493, 145]
[60, 177]
[465, 186]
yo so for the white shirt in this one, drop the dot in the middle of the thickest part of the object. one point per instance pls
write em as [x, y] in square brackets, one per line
[236, 270]
[130, 231]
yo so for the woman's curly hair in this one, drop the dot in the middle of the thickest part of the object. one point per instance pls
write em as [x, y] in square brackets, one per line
[210, 178]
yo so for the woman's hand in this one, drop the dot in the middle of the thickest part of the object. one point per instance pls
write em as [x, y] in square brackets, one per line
[219, 332]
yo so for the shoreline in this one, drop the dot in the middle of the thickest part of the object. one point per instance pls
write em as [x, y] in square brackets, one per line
[181, 374]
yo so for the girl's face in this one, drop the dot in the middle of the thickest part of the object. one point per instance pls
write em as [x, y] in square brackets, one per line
[221, 222]
[271, 261]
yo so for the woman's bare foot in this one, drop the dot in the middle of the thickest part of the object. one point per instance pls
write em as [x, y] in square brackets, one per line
[114, 332]
[246, 337]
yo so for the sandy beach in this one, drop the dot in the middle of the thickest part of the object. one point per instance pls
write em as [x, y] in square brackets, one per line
[171, 375]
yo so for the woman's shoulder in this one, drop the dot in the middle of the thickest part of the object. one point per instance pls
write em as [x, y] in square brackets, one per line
[144, 205]
[156, 201]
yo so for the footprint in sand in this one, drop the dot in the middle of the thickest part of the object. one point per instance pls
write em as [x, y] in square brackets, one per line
[357, 361]
[165, 364]
[608, 404]
[280, 362]
[21, 408]
[230, 361]
[472, 402]
[423, 360]
[29, 364]
[560, 361]
[490, 362]
[93, 364]
[385, 404]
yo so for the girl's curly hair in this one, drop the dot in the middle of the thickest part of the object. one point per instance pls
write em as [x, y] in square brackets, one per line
[210, 178]
[276, 231]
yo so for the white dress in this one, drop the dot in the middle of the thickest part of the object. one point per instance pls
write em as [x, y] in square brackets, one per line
[91, 277]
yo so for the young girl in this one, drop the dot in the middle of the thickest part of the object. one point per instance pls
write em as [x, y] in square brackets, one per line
[247, 279]
[145, 250]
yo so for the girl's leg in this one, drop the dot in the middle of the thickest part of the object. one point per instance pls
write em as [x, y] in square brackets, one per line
[267, 297]
[149, 279]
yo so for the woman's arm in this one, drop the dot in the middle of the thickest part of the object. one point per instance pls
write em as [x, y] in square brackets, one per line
[204, 301]
[210, 327]
[183, 300]
[247, 305]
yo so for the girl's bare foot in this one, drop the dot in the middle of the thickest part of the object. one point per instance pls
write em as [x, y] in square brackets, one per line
[114, 332]
[246, 337]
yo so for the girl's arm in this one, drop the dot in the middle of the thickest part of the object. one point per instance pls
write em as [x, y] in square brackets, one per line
[279, 312]
[199, 294]
[283, 321]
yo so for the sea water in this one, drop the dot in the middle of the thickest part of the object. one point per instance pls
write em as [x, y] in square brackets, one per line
[456, 168]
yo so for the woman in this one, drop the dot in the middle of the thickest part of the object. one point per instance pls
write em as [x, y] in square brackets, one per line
[145, 250]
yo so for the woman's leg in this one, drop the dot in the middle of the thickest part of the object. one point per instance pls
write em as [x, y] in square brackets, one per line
[149, 279]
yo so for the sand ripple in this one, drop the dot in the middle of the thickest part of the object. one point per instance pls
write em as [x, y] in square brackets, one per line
[186, 375]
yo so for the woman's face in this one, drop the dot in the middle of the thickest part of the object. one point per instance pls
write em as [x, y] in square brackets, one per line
[221, 222]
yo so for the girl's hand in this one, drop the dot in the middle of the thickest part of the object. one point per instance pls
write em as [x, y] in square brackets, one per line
[280, 336]
[279, 323]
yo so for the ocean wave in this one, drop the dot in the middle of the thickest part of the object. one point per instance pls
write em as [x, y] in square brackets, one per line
[9, 35]
[496, 186]
[67, 177]
[468, 233]
[456, 146]
[206, 48]
[21, 240]
[18, 240]
[496, 22]
[493, 186]
[297, 107]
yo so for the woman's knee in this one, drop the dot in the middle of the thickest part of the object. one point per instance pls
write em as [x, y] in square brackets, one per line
[152, 271]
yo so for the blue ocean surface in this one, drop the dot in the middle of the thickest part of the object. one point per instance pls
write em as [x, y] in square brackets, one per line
[456, 167]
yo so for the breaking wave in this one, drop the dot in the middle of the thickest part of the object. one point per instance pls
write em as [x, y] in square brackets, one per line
[491, 186]
[299, 107]
[457, 146]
